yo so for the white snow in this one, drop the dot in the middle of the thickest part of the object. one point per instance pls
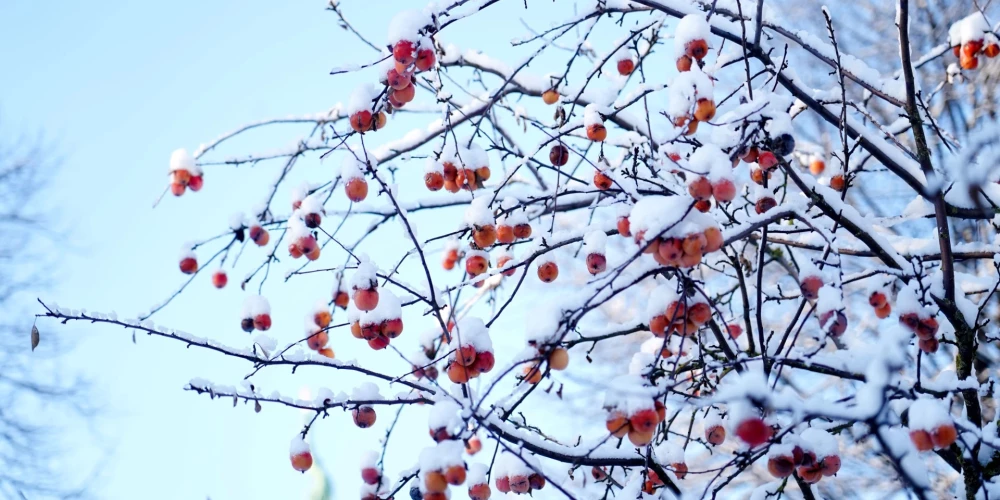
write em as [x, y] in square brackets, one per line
[691, 27]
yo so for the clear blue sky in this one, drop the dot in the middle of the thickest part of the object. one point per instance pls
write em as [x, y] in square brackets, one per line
[118, 85]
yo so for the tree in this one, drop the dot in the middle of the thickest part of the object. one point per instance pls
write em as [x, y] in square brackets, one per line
[758, 252]
[30, 384]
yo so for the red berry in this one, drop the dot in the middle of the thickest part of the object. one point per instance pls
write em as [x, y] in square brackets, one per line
[219, 279]
[753, 431]
[189, 265]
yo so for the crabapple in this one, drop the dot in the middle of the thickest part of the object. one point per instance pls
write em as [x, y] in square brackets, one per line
[379, 342]
[617, 424]
[715, 435]
[434, 481]
[219, 279]
[361, 121]
[318, 340]
[434, 181]
[837, 183]
[479, 492]
[195, 183]
[625, 67]
[536, 481]
[704, 110]
[520, 484]
[684, 63]
[723, 190]
[247, 324]
[364, 416]
[302, 461]
[356, 189]
[753, 431]
[259, 235]
[883, 311]
[558, 155]
[765, 204]
[830, 465]
[780, 466]
[189, 265]
[484, 236]
[767, 160]
[522, 231]
[366, 299]
[597, 132]
[177, 188]
[640, 439]
[403, 52]
[602, 181]
[425, 59]
[922, 440]
[817, 166]
[810, 287]
[644, 420]
[548, 272]
[484, 362]
[502, 261]
[370, 475]
[262, 322]
[455, 475]
[596, 263]
[476, 265]
[835, 322]
[503, 484]
[559, 359]
[624, 228]
[700, 188]
[550, 96]
[944, 435]
[392, 328]
[697, 49]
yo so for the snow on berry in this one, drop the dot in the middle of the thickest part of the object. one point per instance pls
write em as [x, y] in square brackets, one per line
[928, 414]
[362, 99]
[668, 453]
[479, 213]
[470, 331]
[364, 277]
[389, 307]
[441, 456]
[432, 166]
[690, 28]
[406, 25]
[971, 28]
[595, 241]
[477, 474]
[591, 116]
[180, 159]
[298, 446]
[820, 442]
[475, 156]
[352, 168]
[254, 305]
[653, 215]
[830, 299]
[366, 391]
[445, 414]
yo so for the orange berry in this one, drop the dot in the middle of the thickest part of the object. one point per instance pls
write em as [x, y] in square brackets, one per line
[259, 235]
[597, 132]
[780, 466]
[522, 231]
[548, 272]
[435, 481]
[624, 228]
[476, 265]
[479, 492]
[361, 121]
[366, 299]
[715, 435]
[550, 96]
[617, 424]
[992, 50]
[713, 239]
[697, 49]
[532, 373]
[356, 189]
[602, 181]
[944, 435]
[644, 420]
[559, 359]
[704, 110]
[884, 311]
[505, 234]
[484, 236]
[318, 340]
[458, 374]
[455, 475]
[922, 440]
[596, 263]
[684, 63]
[364, 416]
[837, 183]
[322, 318]
[302, 461]
[640, 438]
[434, 181]
[392, 328]
[817, 166]
[700, 188]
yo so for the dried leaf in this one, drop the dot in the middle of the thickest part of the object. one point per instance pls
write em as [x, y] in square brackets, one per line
[256, 406]
[235, 400]
[35, 337]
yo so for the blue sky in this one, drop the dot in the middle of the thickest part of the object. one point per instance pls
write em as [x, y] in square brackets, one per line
[118, 85]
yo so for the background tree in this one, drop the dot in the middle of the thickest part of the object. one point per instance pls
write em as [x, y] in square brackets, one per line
[31, 385]
[750, 261]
